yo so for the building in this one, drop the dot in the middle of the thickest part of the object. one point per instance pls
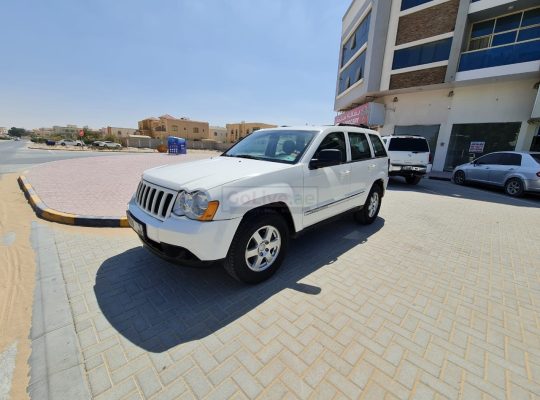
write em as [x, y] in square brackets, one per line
[239, 130]
[218, 133]
[67, 131]
[3, 131]
[462, 73]
[167, 125]
[118, 132]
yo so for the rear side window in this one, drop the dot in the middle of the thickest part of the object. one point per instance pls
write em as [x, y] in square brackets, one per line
[408, 144]
[510, 159]
[378, 147]
[359, 146]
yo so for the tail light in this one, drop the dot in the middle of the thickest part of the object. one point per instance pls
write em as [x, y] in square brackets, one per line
[538, 174]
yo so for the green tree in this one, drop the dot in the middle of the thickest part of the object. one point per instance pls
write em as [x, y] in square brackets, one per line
[17, 131]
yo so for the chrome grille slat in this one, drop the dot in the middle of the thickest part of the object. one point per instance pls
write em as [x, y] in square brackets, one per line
[155, 200]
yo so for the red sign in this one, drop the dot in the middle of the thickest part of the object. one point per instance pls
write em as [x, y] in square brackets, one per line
[81, 133]
[368, 114]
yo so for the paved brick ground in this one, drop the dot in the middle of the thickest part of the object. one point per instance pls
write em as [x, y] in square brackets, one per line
[440, 298]
[100, 186]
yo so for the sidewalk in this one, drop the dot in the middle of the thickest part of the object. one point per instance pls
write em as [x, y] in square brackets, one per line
[96, 187]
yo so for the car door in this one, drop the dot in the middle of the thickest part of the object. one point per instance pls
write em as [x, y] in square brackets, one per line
[508, 162]
[480, 168]
[329, 186]
[361, 164]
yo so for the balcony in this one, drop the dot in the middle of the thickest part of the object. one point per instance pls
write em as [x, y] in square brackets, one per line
[498, 56]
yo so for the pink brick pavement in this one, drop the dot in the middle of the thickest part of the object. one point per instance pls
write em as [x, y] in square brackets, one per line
[97, 186]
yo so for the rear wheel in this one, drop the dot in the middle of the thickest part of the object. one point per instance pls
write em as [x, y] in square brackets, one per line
[258, 247]
[459, 178]
[371, 208]
[413, 180]
[514, 187]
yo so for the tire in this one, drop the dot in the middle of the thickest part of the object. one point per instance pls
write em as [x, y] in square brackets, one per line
[272, 228]
[459, 178]
[370, 211]
[413, 180]
[514, 187]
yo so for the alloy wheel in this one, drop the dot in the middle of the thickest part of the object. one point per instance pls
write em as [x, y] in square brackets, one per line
[263, 248]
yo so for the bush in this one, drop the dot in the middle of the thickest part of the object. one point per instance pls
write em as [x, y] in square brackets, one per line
[162, 148]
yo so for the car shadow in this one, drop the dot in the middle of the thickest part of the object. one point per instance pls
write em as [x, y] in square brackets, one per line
[477, 192]
[157, 305]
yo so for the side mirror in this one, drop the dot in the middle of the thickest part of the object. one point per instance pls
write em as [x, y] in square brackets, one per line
[326, 158]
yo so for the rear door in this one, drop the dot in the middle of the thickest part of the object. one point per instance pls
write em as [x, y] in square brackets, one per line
[361, 165]
[507, 163]
[410, 150]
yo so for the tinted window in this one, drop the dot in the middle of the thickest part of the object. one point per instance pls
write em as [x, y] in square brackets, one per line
[422, 54]
[536, 157]
[353, 73]
[356, 41]
[489, 159]
[408, 144]
[334, 140]
[359, 146]
[378, 147]
[510, 159]
[406, 4]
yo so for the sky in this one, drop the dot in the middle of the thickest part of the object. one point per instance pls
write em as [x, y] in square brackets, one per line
[114, 62]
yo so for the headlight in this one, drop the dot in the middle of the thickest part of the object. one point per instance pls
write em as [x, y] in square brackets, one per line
[195, 205]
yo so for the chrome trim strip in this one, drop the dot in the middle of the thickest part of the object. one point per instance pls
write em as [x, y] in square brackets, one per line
[317, 209]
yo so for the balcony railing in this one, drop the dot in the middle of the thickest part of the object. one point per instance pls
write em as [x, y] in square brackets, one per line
[502, 55]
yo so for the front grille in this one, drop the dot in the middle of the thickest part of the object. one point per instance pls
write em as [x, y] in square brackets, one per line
[155, 200]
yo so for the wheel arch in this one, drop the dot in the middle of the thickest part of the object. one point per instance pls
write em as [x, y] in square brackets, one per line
[379, 182]
[279, 207]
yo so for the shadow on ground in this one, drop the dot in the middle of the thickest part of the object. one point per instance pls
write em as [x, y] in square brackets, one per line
[157, 305]
[478, 192]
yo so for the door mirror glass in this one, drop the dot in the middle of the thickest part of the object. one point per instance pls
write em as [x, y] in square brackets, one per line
[326, 158]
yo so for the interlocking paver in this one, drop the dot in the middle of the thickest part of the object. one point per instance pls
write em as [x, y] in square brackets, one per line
[436, 300]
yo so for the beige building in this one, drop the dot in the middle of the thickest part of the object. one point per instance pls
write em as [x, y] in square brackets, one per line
[167, 125]
[118, 132]
[242, 129]
[218, 133]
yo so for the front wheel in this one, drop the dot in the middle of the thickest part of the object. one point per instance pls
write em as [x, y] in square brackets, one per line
[371, 208]
[459, 178]
[514, 187]
[258, 247]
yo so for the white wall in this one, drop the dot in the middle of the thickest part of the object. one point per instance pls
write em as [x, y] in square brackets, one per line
[510, 101]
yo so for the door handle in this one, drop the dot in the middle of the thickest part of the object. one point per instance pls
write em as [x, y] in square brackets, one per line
[347, 172]
[372, 166]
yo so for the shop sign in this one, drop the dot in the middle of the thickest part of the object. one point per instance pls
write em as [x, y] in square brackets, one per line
[477, 147]
[369, 114]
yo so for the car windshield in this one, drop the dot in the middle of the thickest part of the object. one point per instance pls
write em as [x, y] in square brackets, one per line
[408, 144]
[285, 146]
[536, 157]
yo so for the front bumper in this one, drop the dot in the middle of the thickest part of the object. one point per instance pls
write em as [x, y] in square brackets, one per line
[206, 241]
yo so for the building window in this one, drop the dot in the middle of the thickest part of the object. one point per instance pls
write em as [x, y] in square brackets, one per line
[356, 41]
[406, 4]
[422, 54]
[215, 133]
[353, 73]
[195, 130]
[506, 30]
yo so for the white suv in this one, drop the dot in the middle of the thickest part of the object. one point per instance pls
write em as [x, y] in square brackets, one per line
[409, 157]
[243, 206]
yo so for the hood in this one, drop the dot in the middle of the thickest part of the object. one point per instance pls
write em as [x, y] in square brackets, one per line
[209, 173]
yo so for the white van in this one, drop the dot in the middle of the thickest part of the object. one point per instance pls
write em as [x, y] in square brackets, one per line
[409, 157]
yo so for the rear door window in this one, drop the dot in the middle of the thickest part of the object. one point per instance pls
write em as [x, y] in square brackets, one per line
[408, 144]
[536, 157]
[378, 146]
[510, 159]
[334, 140]
[359, 146]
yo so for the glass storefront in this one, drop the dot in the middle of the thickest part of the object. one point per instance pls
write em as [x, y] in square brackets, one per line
[470, 141]
[430, 132]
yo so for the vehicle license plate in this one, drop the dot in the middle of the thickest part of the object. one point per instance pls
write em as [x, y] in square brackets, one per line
[137, 227]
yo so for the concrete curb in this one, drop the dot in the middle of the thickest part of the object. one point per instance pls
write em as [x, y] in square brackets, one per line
[50, 214]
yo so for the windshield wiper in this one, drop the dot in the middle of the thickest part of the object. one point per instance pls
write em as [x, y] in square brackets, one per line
[248, 156]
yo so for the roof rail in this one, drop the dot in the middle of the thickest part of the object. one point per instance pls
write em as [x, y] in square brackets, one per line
[355, 125]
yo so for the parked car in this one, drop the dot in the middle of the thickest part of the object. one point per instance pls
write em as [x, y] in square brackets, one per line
[69, 142]
[97, 143]
[517, 172]
[243, 207]
[50, 142]
[111, 145]
[409, 157]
